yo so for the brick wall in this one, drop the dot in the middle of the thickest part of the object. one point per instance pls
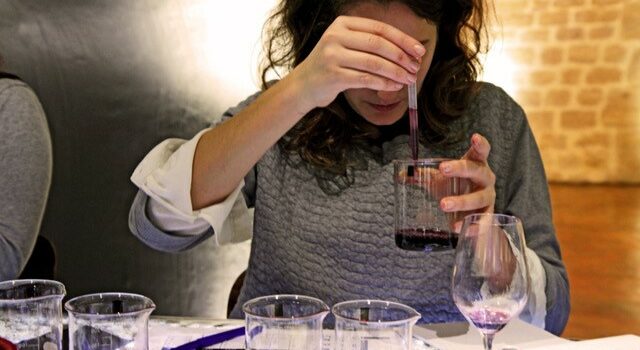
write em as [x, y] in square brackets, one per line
[574, 66]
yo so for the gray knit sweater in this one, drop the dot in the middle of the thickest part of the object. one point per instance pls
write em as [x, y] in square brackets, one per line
[25, 174]
[341, 247]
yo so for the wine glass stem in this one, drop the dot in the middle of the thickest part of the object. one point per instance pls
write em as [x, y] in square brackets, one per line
[487, 339]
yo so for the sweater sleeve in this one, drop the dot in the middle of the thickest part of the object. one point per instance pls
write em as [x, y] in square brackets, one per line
[25, 148]
[525, 194]
[149, 233]
[161, 214]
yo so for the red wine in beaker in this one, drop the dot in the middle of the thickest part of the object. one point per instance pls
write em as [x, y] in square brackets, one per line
[427, 240]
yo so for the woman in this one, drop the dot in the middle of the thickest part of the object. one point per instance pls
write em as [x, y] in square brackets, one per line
[25, 175]
[315, 151]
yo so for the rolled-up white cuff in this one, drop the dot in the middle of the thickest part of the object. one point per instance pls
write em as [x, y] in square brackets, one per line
[165, 176]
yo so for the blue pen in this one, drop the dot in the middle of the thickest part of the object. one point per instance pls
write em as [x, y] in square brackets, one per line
[210, 340]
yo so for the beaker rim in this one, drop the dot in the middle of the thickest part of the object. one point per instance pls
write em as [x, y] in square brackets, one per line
[421, 161]
[412, 314]
[147, 305]
[324, 308]
[58, 288]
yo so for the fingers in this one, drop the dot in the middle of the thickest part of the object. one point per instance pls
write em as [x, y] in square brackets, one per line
[356, 53]
[383, 49]
[478, 172]
[472, 166]
[408, 44]
[479, 149]
[365, 62]
[370, 46]
[354, 79]
[484, 198]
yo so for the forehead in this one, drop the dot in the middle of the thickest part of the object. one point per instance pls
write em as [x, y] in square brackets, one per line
[396, 14]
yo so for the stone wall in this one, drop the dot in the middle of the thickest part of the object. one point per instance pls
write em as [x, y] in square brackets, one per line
[574, 66]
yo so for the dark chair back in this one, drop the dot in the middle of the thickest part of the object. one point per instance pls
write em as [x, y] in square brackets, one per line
[42, 263]
[235, 292]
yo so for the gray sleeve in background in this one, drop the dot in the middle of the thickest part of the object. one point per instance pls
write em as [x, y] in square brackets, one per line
[25, 174]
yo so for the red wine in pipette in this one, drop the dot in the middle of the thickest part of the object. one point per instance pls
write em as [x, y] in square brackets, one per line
[413, 121]
[413, 132]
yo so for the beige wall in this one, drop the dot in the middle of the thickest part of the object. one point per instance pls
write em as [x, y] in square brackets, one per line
[574, 66]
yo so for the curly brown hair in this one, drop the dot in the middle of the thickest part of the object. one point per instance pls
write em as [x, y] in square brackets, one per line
[325, 137]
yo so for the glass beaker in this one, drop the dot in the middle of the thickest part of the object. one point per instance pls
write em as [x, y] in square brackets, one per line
[284, 322]
[420, 223]
[109, 321]
[374, 324]
[31, 313]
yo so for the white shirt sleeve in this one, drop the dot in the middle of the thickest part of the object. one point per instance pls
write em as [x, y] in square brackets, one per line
[536, 309]
[165, 176]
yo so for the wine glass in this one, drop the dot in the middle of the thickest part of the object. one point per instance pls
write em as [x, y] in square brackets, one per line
[490, 281]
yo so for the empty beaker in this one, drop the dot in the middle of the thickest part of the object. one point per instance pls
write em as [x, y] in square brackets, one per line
[420, 222]
[374, 324]
[109, 321]
[284, 322]
[31, 313]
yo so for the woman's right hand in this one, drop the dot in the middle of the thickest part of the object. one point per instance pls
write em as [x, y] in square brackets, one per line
[354, 53]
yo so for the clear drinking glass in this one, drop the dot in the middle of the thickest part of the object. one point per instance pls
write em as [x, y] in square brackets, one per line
[284, 322]
[420, 223]
[490, 276]
[31, 313]
[109, 321]
[374, 324]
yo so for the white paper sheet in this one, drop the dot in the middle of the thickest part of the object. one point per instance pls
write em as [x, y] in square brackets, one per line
[517, 335]
[164, 334]
[622, 342]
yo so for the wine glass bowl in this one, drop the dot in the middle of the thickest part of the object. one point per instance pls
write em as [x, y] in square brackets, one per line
[490, 283]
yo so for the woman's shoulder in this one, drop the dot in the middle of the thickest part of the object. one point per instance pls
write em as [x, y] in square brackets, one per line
[490, 94]
[241, 105]
[492, 104]
[497, 116]
[231, 111]
[246, 102]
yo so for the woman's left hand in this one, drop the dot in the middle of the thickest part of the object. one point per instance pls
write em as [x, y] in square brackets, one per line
[474, 167]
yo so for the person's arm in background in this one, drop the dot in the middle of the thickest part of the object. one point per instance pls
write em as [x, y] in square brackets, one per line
[25, 174]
